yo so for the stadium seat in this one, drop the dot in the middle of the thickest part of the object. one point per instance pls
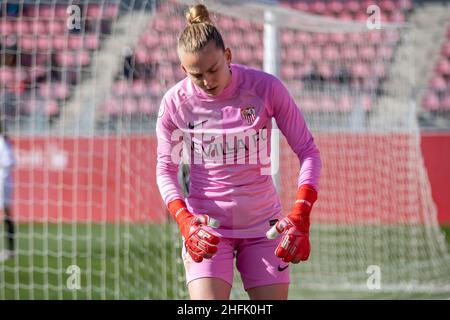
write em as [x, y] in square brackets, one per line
[303, 6]
[336, 6]
[360, 16]
[27, 43]
[111, 107]
[35, 73]
[345, 103]
[283, 53]
[387, 5]
[445, 102]
[243, 55]
[392, 36]
[44, 43]
[10, 75]
[30, 11]
[317, 7]
[155, 86]
[111, 11]
[304, 38]
[141, 55]
[356, 38]
[348, 53]
[6, 27]
[73, 59]
[446, 50]
[150, 40]
[397, 17]
[304, 69]
[313, 53]
[307, 104]
[166, 72]
[438, 83]
[94, 11]
[128, 105]
[22, 27]
[258, 54]
[287, 37]
[54, 91]
[385, 52]
[375, 36]
[378, 69]
[46, 11]
[327, 104]
[65, 59]
[320, 39]
[337, 38]
[295, 86]
[60, 43]
[325, 70]
[367, 53]
[367, 102]
[288, 72]
[159, 25]
[234, 38]
[61, 11]
[75, 42]
[121, 88]
[91, 41]
[39, 105]
[359, 70]
[51, 108]
[431, 101]
[345, 15]
[295, 53]
[139, 88]
[6, 75]
[39, 27]
[405, 5]
[146, 106]
[352, 6]
[443, 67]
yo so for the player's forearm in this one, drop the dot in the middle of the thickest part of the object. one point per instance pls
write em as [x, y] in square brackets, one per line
[311, 166]
[167, 181]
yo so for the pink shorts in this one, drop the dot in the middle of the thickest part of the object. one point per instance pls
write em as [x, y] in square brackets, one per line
[255, 261]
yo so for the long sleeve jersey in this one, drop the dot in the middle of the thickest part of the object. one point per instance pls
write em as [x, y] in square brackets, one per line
[226, 141]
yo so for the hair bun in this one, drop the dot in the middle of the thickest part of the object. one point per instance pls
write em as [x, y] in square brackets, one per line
[198, 14]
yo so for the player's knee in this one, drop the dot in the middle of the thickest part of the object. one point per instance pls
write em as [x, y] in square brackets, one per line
[209, 289]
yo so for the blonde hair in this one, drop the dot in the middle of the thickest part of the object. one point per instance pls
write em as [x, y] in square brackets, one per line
[199, 31]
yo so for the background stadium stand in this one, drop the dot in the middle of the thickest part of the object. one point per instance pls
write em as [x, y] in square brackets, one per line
[45, 63]
[44, 59]
[342, 61]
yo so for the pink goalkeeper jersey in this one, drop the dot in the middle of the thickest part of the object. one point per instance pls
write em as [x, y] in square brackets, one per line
[226, 139]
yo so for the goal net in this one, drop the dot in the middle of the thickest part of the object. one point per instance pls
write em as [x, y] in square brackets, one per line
[80, 88]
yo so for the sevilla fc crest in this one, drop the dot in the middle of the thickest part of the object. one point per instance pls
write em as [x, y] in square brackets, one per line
[248, 114]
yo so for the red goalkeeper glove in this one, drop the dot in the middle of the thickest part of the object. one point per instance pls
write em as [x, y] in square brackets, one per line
[295, 246]
[200, 243]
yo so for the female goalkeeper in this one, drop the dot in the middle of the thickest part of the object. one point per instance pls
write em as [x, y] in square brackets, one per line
[219, 118]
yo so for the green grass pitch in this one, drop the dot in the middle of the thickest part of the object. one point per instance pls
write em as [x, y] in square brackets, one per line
[115, 262]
